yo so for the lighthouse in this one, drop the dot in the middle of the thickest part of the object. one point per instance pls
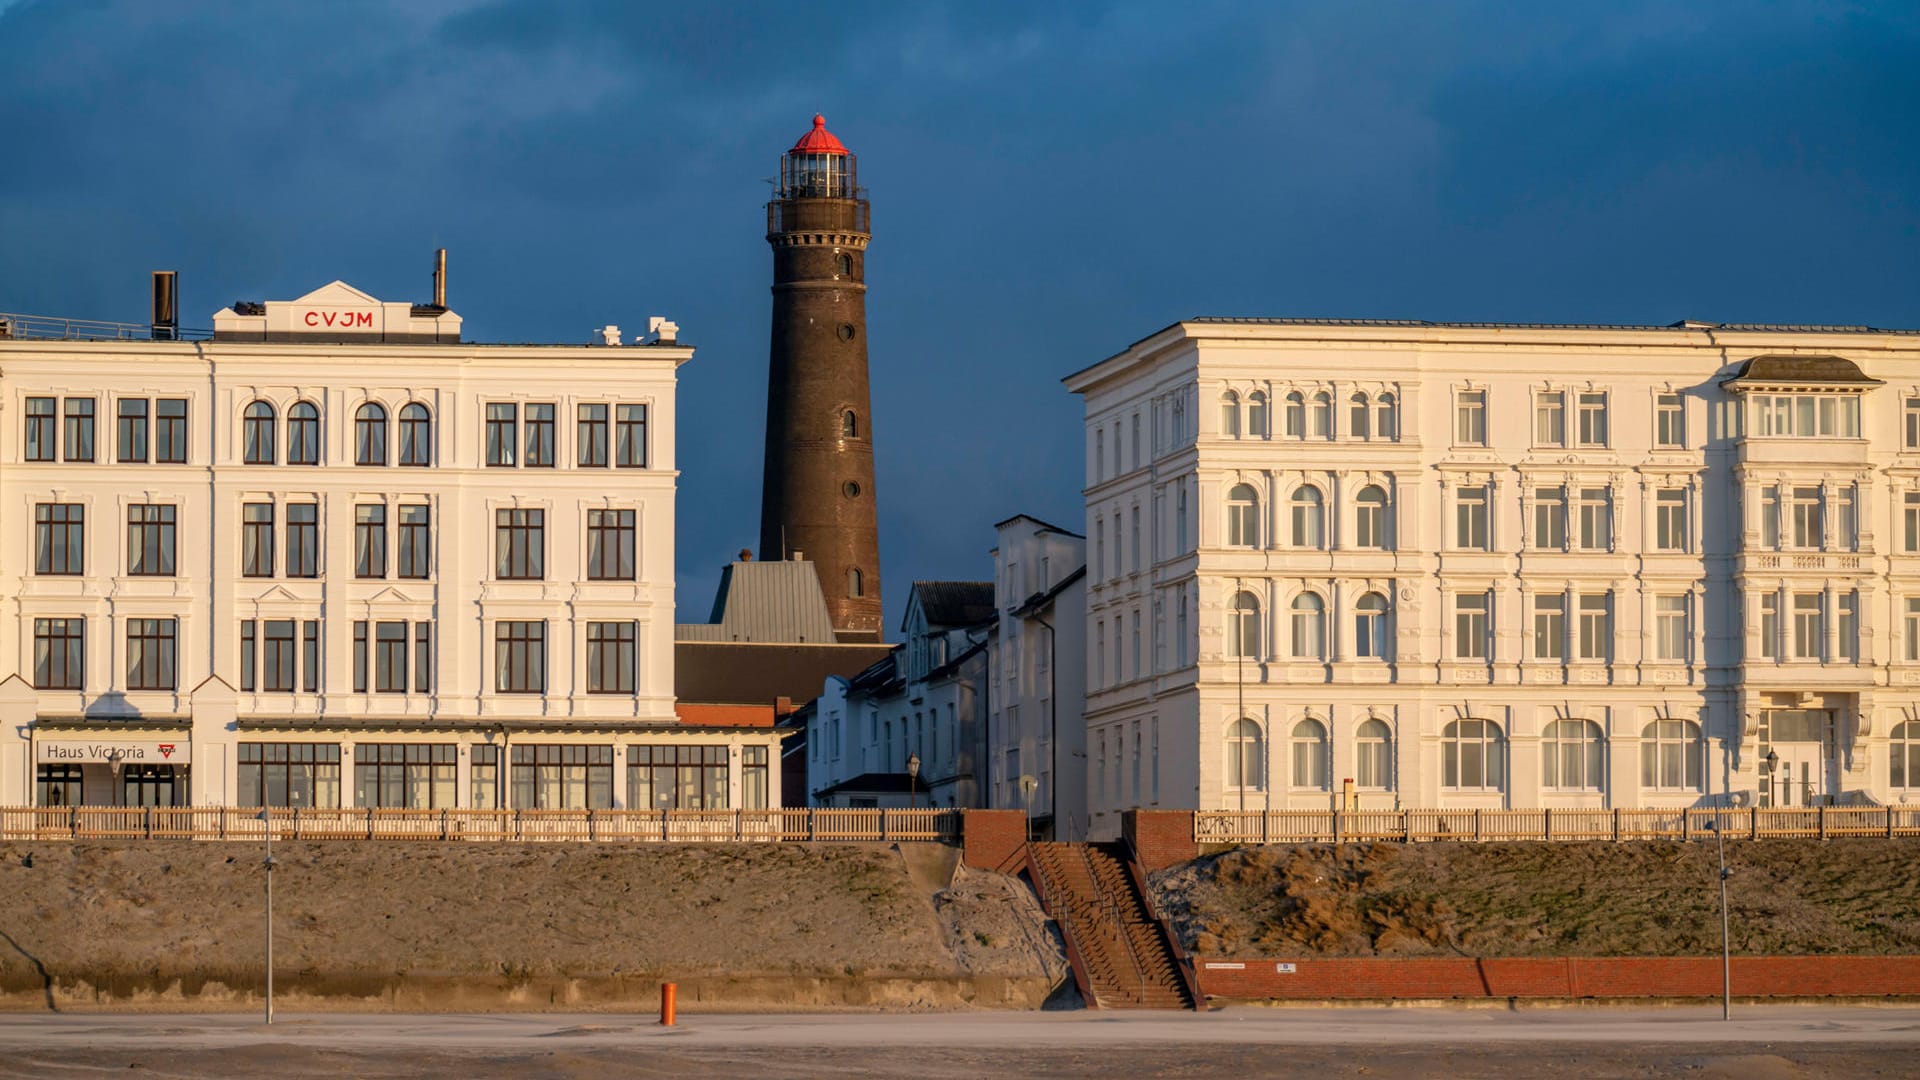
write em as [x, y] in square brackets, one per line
[817, 499]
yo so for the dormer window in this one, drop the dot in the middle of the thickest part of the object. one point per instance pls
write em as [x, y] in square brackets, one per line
[1801, 397]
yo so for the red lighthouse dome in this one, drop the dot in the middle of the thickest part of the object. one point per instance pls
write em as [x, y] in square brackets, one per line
[819, 140]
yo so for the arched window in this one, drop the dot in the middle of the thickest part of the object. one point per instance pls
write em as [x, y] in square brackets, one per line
[856, 582]
[1310, 755]
[1370, 517]
[1358, 421]
[257, 443]
[1322, 419]
[1370, 627]
[416, 435]
[1386, 418]
[1572, 756]
[1472, 756]
[1307, 532]
[849, 425]
[1296, 415]
[1257, 414]
[1230, 415]
[370, 435]
[1671, 756]
[1243, 516]
[1243, 626]
[1243, 756]
[303, 434]
[1373, 755]
[1309, 626]
[1903, 755]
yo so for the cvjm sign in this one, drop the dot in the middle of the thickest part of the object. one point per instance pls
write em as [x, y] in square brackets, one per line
[337, 320]
[107, 752]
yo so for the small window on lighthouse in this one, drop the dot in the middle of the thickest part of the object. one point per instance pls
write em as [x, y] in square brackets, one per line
[843, 265]
[854, 582]
[846, 331]
[850, 489]
[849, 425]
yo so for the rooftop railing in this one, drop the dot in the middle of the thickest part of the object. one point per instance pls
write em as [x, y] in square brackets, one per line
[17, 327]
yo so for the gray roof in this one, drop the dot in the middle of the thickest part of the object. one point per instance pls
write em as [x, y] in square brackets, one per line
[1821, 370]
[955, 603]
[1685, 324]
[765, 602]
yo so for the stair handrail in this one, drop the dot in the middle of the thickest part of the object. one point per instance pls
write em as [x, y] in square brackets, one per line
[1112, 904]
[1063, 913]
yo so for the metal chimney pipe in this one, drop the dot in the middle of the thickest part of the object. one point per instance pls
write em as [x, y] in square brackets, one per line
[166, 305]
[440, 278]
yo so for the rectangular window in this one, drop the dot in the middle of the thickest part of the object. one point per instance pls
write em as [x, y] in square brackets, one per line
[256, 540]
[630, 436]
[539, 436]
[1910, 522]
[277, 671]
[416, 776]
[1593, 419]
[1549, 418]
[520, 657]
[1809, 626]
[303, 540]
[1470, 418]
[59, 538]
[423, 657]
[1669, 422]
[1804, 513]
[503, 432]
[170, 431]
[1670, 635]
[1550, 627]
[755, 789]
[78, 441]
[519, 538]
[370, 541]
[1550, 518]
[1596, 626]
[150, 540]
[289, 774]
[563, 777]
[1770, 518]
[42, 429]
[610, 539]
[1670, 519]
[593, 435]
[360, 645]
[249, 655]
[1470, 518]
[150, 654]
[1596, 519]
[310, 656]
[1846, 520]
[610, 657]
[1847, 620]
[416, 542]
[132, 431]
[390, 657]
[677, 777]
[59, 654]
[1470, 626]
[1769, 626]
[1913, 628]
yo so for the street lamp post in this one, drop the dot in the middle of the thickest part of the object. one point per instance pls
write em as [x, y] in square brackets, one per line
[1027, 787]
[266, 816]
[1720, 842]
[913, 777]
[1772, 763]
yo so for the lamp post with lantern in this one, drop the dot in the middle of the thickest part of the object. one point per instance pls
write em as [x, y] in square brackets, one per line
[913, 777]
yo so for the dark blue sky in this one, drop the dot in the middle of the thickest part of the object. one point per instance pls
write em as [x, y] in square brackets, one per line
[1049, 183]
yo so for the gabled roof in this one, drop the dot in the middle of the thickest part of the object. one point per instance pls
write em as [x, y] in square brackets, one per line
[767, 602]
[1047, 525]
[955, 603]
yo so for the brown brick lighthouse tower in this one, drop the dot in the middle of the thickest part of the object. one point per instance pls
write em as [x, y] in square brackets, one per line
[817, 496]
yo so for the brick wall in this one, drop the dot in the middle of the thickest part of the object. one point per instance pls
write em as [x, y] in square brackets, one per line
[1159, 838]
[993, 839]
[1368, 978]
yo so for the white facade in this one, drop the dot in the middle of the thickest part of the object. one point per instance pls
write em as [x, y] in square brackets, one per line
[335, 557]
[1037, 677]
[1403, 564]
[922, 703]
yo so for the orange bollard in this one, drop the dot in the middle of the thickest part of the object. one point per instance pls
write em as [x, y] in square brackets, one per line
[668, 992]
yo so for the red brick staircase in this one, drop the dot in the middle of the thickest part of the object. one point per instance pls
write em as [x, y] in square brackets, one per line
[1121, 956]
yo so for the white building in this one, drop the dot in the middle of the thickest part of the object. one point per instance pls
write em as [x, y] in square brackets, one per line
[335, 556]
[906, 731]
[1037, 678]
[1468, 565]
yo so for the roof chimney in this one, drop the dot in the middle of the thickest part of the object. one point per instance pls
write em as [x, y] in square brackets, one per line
[799, 556]
[166, 305]
[746, 554]
[665, 331]
[440, 278]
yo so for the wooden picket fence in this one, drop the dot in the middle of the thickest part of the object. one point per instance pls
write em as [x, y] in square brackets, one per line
[1412, 826]
[571, 826]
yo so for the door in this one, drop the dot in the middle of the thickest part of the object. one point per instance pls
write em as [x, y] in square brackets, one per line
[1800, 779]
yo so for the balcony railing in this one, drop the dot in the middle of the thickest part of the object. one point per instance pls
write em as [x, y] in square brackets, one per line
[566, 826]
[1412, 826]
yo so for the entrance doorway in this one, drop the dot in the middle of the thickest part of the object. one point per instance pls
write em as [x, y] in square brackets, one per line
[153, 785]
[1800, 745]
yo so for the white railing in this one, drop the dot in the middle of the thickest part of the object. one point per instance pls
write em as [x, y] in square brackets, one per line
[1694, 823]
[563, 826]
